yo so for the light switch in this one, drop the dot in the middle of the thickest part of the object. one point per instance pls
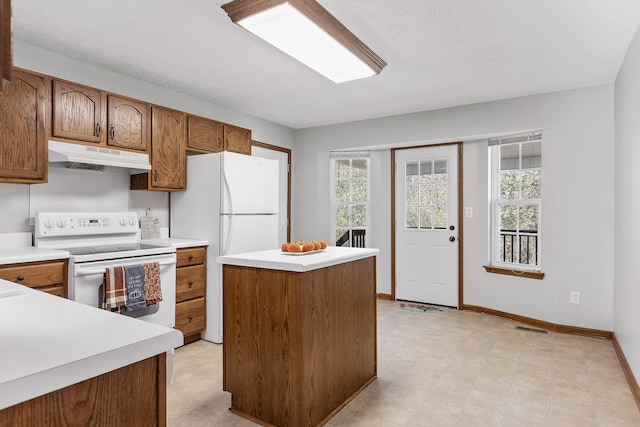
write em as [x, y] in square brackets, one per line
[468, 212]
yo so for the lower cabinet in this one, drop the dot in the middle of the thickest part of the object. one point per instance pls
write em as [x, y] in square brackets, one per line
[134, 395]
[191, 284]
[46, 276]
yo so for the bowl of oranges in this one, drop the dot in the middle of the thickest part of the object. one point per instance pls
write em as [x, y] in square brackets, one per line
[302, 247]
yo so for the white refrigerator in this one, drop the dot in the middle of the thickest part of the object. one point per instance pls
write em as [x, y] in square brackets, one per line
[231, 200]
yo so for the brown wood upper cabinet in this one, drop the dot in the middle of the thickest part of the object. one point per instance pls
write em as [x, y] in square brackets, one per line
[128, 126]
[168, 156]
[237, 139]
[78, 112]
[205, 135]
[86, 114]
[23, 111]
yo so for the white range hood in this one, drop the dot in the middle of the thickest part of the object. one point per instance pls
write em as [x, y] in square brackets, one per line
[76, 156]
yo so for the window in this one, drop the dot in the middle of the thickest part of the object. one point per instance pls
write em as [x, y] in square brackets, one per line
[516, 201]
[350, 193]
[425, 196]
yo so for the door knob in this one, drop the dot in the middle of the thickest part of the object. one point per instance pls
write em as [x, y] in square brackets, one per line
[452, 239]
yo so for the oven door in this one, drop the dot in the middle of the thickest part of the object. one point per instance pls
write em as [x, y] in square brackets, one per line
[85, 281]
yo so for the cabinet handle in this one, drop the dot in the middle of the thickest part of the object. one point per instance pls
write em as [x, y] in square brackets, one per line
[20, 278]
[190, 284]
[155, 175]
[113, 133]
[97, 129]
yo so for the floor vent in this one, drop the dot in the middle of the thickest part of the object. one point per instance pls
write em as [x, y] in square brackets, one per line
[524, 328]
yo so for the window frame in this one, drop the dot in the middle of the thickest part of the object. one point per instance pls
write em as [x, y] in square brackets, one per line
[332, 194]
[495, 262]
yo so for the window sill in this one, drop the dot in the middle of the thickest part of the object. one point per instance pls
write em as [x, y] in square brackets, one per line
[538, 275]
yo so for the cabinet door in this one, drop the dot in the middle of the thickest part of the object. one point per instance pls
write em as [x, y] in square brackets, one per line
[77, 112]
[168, 156]
[205, 135]
[237, 139]
[127, 123]
[23, 145]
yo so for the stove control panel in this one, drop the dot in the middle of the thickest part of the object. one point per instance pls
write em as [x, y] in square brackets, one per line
[62, 224]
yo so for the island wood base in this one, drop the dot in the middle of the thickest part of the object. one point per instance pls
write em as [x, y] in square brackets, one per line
[298, 346]
[134, 395]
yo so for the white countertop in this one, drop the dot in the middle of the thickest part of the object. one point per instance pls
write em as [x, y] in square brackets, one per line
[178, 242]
[48, 342]
[30, 254]
[277, 260]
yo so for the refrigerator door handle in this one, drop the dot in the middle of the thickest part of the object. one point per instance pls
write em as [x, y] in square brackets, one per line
[227, 194]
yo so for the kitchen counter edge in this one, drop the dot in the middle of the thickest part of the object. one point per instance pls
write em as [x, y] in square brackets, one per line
[48, 348]
[179, 242]
[20, 255]
[277, 260]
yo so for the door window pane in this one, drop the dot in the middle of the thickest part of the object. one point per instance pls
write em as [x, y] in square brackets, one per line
[426, 218]
[429, 191]
[411, 217]
[412, 169]
[440, 218]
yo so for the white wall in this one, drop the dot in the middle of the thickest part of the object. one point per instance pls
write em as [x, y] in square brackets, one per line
[16, 199]
[577, 213]
[627, 207]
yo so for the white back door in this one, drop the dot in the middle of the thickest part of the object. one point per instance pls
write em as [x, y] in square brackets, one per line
[426, 242]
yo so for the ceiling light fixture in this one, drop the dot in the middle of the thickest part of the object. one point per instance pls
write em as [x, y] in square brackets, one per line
[306, 31]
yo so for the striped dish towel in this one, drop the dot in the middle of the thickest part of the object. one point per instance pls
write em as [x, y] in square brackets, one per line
[114, 297]
[152, 289]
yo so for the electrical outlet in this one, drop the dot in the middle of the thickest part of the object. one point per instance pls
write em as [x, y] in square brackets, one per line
[575, 297]
[469, 212]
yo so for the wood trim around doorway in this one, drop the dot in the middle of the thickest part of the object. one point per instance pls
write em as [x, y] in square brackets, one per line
[289, 163]
[460, 218]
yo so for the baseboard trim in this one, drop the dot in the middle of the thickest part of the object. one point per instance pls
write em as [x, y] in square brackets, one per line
[631, 379]
[573, 330]
[384, 296]
[594, 333]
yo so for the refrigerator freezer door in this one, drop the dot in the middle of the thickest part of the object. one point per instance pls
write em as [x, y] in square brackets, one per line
[248, 233]
[250, 184]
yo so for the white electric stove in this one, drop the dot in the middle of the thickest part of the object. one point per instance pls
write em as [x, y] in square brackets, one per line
[97, 240]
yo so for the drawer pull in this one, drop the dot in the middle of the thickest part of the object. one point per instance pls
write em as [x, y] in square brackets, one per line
[190, 257]
[190, 318]
[20, 278]
[190, 284]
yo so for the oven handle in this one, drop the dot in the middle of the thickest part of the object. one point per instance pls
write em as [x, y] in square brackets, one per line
[90, 271]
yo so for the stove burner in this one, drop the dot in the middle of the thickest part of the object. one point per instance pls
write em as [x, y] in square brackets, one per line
[91, 250]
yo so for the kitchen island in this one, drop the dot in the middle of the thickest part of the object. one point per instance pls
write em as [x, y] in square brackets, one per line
[299, 333]
[65, 363]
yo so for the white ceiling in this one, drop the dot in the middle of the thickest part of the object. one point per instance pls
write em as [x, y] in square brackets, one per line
[440, 53]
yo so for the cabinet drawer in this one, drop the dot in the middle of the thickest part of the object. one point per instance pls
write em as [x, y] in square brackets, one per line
[190, 256]
[35, 275]
[190, 316]
[190, 282]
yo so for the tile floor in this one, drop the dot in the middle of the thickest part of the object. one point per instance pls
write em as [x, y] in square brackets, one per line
[453, 369]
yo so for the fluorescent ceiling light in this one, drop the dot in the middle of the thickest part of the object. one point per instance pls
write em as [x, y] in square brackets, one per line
[305, 30]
